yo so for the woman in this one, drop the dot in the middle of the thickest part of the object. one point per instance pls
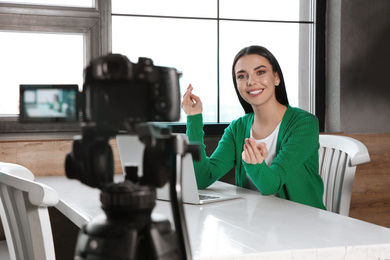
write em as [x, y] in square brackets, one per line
[273, 147]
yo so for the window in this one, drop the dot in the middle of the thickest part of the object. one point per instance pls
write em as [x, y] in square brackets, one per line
[44, 44]
[201, 38]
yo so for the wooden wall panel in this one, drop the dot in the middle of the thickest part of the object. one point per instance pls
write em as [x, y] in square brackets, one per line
[44, 158]
[371, 191]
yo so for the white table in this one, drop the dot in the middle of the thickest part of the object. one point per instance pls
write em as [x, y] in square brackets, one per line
[252, 227]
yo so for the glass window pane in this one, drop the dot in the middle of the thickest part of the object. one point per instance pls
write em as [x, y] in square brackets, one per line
[282, 39]
[199, 8]
[37, 58]
[185, 44]
[70, 3]
[275, 10]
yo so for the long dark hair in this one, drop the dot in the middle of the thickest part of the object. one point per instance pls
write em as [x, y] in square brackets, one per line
[280, 90]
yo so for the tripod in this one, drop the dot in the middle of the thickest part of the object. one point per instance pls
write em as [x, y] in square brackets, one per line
[129, 230]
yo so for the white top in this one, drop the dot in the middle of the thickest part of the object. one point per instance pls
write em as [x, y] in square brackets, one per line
[270, 142]
[252, 227]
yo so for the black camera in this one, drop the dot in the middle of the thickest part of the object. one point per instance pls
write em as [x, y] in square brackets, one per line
[119, 94]
[121, 97]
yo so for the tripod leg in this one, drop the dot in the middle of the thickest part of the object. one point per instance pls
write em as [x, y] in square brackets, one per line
[178, 209]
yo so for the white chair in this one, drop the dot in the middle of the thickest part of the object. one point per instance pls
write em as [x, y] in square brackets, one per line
[338, 158]
[24, 213]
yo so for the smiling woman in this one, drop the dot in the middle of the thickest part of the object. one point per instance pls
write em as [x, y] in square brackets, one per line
[261, 61]
[256, 79]
[274, 147]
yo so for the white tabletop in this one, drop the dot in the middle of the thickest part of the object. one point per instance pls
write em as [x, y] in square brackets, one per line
[252, 227]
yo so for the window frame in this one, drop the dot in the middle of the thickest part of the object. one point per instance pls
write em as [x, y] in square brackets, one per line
[312, 92]
[320, 62]
[95, 25]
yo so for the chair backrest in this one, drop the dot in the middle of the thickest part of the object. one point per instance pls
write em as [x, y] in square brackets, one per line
[24, 213]
[338, 158]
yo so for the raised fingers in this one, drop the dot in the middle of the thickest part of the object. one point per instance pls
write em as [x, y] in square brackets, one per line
[263, 150]
[251, 153]
[191, 104]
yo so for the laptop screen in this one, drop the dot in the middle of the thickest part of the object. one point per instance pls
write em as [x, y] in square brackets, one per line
[48, 103]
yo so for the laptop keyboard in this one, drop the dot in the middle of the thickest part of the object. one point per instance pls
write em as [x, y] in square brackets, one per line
[207, 197]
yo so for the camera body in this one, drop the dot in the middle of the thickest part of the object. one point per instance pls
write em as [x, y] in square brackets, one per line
[118, 94]
[119, 97]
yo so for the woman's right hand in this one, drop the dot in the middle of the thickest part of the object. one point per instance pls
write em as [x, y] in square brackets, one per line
[191, 103]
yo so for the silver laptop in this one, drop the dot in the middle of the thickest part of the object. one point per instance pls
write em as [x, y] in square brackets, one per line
[131, 153]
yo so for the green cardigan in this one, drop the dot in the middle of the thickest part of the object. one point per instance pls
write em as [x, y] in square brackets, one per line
[293, 174]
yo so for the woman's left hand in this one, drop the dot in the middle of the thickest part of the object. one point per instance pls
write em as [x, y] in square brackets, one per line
[254, 153]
